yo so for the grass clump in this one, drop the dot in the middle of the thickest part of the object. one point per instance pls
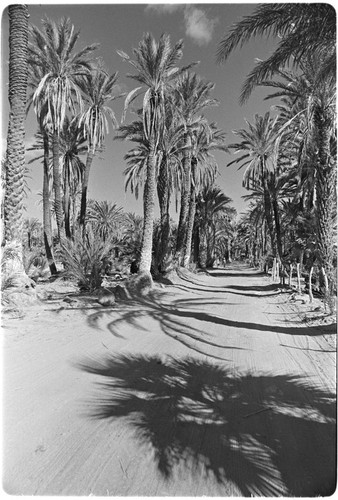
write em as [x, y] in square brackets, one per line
[83, 260]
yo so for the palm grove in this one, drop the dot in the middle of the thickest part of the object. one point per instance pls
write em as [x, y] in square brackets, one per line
[288, 155]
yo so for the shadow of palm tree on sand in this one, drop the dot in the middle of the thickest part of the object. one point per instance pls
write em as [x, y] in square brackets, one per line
[268, 435]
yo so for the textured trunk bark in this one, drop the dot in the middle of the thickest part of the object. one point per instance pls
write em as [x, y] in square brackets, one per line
[326, 177]
[196, 237]
[15, 153]
[269, 218]
[149, 202]
[191, 215]
[85, 181]
[57, 187]
[185, 196]
[67, 201]
[163, 193]
[278, 228]
[47, 220]
[190, 227]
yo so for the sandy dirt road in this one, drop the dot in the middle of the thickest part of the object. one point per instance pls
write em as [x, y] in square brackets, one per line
[209, 386]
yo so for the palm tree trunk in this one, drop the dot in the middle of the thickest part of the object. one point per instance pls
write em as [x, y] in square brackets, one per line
[196, 237]
[15, 154]
[149, 205]
[185, 197]
[85, 181]
[229, 250]
[67, 201]
[190, 218]
[278, 228]
[47, 221]
[57, 186]
[190, 227]
[163, 193]
[269, 218]
[326, 176]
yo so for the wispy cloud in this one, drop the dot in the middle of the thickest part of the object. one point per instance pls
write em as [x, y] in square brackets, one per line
[164, 8]
[198, 26]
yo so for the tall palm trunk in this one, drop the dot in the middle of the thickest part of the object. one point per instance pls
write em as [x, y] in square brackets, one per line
[190, 218]
[278, 227]
[85, 181]
[148, 207]
[326, 173]
[47, 220]
[185, 197]
[196, 238]
[66, 199]
[163, 193]
[57, 186]
[15, 154]
[268, 213]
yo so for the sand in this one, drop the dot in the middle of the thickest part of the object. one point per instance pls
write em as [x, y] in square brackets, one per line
[217, 384]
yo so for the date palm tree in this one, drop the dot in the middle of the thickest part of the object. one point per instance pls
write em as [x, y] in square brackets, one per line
[17, 95]
[52, 50]
[301, 28]
[72, 145]
[99, 89]
[156, 70]
[316, 95]
[211, 203]
[105, 219]
[260, 147]
[206, 138]
[15, 152]
[191, 96]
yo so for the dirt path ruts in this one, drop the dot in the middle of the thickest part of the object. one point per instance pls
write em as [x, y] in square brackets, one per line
[210, 386]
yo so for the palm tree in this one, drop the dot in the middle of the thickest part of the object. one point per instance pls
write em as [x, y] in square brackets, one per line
[170, 150]
[105, 218]
[15, 153]
[316, 96]
[72, 144]
[206, 138]
[99, 88]
[301, 28]
[52, 50]
[191, 96]
[211, 203]
[33, 230]
[260, 145]
[156, 70]
[43, 141]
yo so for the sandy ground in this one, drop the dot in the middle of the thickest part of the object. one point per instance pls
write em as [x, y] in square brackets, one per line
[214, 385]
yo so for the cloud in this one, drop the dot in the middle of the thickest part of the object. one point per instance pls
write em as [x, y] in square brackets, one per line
[197, 24]
[166, 8]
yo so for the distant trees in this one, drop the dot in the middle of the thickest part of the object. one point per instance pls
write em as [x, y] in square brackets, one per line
[302, 176]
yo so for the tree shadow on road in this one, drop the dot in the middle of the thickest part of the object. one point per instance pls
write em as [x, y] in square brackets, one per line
[188, 323]
[224, 273]
[268, 435]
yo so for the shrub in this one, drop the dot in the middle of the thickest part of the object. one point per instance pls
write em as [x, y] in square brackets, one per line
[84, 260]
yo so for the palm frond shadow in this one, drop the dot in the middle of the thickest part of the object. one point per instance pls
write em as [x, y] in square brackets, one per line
[268, 435]
[172, 321]
[186, 322]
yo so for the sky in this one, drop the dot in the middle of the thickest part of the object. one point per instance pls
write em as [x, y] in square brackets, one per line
[121, 27]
